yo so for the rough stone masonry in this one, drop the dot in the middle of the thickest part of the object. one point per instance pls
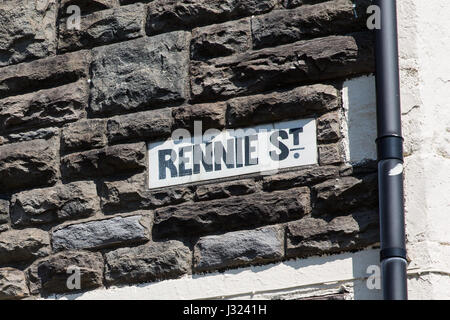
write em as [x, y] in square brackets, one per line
[77, 108]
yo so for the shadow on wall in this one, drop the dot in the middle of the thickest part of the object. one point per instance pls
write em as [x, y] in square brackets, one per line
[367, 287]
[359, 128]
[359, 124]
[292, 279]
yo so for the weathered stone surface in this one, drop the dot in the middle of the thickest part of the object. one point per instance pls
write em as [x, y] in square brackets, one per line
[28, 164]
[117, 159]
[295, 3]
[44, 108]
[70, 201]
[304, 61]
[211, 115]
[328, 127]
[140, 73]
[97, 234]
[330, 154]
[87, 6]
[239, 248]
[51, 274]
[103, 27]
[225, 190]
[280, 27]
[147, 125]
[27, 30]
[4, 215]
[124, 2]
[343, 194]
[36, 134]
[13, 284]
[275, 106]
[17, 246]
[131, 194]
[221, 40]
[4, 211]
[317, 236]
[299, 178]
[166, 15]
[231, 214]
[84, 134]
[44, 73]
[149, 262]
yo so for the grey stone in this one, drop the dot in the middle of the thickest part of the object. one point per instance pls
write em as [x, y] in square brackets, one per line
[124, 2]
[211, 115]
[22, 246]
[343, 194]
[281, 26]
[51, 274]
[44, 108]
[225, 190]
[4, 215]
[44, 73]
[132, 194]
[166, 15]
[239, 248]
[13, 284]
[113, 160]
[140, 73]
[330, 154]
[328, 127]
[4, 211]
[36, 134]
[230, 214]
[84, 134]
[103, 27]
[62, 202]
[265, 108]
[28, 164]
[97, 234]
[301, 177]
[314, 60]
[27, 30]
[221, 40]
[326, 235]
[295, 3]
[150, 262]
[147, 125]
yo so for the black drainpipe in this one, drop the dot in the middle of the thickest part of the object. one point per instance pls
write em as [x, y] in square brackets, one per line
[390, 156]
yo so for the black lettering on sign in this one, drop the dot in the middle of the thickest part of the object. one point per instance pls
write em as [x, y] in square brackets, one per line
[227, 155]
[205, 158]
[183, 160]
[284, 150]
[165, 163]
[249, 149]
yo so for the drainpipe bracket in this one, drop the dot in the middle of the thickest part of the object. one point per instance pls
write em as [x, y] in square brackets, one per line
[390, 147]
[392, 253]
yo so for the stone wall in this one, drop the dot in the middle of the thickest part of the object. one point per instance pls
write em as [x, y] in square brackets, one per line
[77, 108]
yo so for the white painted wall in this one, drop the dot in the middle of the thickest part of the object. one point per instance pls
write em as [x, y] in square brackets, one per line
[359, 119]
[295, 278]
[424, 41]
